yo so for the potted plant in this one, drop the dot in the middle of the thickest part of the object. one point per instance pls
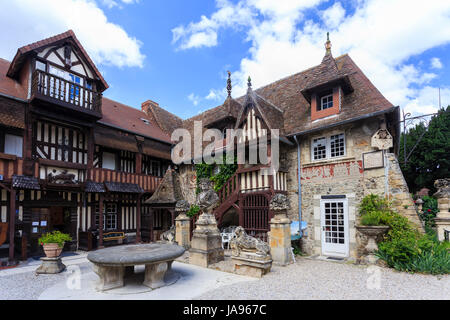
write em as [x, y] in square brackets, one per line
[53, 243]
[375, 213]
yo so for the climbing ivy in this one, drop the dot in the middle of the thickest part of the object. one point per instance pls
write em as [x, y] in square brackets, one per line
[205, 170]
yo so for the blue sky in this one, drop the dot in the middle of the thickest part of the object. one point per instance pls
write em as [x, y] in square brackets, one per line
[177, 52]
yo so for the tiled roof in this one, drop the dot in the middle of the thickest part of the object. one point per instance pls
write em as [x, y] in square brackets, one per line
[9, 86]
[21, 52]
[167, 121]
[123, 187]
[94, 187]
[25, 182]
[166, 192]
[124, 117]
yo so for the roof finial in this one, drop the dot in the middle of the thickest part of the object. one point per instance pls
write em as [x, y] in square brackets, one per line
[249, 82]
[328, 44]
[229, 84]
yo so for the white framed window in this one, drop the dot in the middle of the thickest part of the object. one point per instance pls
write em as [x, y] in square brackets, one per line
[109, 161]
[319, 148]
[13, 144]
[326, 102]
[109, 216]
[328, 147]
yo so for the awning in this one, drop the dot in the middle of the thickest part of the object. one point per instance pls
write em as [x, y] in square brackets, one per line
[96, 187]
[123, 187]
[25, 182]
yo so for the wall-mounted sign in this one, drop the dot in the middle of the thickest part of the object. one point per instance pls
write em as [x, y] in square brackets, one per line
[372, 160]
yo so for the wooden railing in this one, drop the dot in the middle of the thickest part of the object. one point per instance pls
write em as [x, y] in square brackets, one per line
[146, 182]
[60, 90]
[230, 187]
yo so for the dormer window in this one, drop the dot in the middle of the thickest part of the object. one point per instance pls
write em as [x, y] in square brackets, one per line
[325, 102]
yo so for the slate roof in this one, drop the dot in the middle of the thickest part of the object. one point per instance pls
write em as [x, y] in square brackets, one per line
[94, 187]
[25, 182]
[123, 187]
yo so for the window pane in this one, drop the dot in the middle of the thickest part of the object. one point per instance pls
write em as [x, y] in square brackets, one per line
[109, 161]
[326, 102]
[13, 145]
[319, 148]
[337, 145]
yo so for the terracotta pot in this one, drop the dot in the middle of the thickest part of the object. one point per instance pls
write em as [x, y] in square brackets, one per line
[52, 250]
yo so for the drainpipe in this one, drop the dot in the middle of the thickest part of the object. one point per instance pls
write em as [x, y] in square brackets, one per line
[299, 187]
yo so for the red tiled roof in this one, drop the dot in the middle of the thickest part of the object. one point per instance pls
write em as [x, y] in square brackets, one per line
[9, 86]
[130, 119]
[21, 52]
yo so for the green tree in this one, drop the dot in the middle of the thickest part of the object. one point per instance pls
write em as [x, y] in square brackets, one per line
[430, 159]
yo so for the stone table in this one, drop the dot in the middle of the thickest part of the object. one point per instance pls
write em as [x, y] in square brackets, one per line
[110, 264]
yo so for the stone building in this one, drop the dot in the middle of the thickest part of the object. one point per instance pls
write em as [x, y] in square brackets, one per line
[338, 140]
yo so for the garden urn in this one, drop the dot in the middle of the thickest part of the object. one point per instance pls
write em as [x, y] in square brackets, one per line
[372, 233]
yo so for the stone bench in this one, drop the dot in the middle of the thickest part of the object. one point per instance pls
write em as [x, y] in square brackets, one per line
[111, 264]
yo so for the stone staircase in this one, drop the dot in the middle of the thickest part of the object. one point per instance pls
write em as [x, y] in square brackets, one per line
[399, 193]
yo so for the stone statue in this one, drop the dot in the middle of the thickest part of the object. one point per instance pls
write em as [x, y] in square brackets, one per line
[245, 243]
[182, 206]
[443, 188]
[169, 235]
[64, 177]
[207, 199]
[279, 202]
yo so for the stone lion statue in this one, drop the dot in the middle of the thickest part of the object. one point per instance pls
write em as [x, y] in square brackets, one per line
[168, 235]
[245, 243]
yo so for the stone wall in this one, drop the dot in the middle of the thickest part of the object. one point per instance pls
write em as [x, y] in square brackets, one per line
[186, 177]
[343, 176]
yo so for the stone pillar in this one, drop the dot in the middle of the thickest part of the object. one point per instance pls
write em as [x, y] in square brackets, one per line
[206, 244]
[443, 217]
[182, 224]
[280, 230]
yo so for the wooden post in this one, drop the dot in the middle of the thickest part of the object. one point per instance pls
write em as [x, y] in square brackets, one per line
[138, 163]
[172, 214]
[151, 224]
[12, 222]
[100, 222]
[138, 220]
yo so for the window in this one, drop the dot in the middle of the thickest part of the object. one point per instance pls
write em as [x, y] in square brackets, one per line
[326, 102]
[109, 216]
[40, 65]
[13, 145]
[328, 147]
[109, 161]
[337, 145]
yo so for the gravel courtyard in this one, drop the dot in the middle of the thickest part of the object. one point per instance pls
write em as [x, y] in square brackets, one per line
[314, 279]
[306, 279]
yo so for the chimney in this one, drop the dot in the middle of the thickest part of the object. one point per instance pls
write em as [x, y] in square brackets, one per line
[145, 105]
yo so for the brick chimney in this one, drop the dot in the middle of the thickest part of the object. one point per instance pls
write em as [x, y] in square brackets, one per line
[145, 106]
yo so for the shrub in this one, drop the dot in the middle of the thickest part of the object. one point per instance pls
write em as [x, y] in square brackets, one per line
[404, 248]
[54, 237]
[193, 211]
[429, 212]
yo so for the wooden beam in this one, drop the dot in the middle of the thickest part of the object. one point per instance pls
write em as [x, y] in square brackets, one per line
[100, 222]
[12, 222]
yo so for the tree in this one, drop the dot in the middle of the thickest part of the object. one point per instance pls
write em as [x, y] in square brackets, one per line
[430, 159]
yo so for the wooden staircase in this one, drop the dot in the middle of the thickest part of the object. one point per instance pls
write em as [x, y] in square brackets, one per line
[228, 196]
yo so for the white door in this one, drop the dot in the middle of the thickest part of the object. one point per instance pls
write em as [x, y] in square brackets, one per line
[334, 227]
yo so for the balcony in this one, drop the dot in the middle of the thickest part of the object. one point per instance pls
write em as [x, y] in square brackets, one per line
[146, 182]
[55, 90]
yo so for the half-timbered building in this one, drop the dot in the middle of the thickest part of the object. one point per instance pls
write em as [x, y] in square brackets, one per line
[71, 159]
[338, 140]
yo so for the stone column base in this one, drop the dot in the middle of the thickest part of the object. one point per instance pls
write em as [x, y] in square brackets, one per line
[250, 264]
[442, 224]
[206, 249]
[280, 241]
[51, 266]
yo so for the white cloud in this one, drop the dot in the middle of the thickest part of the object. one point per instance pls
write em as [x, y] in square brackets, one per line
[379, 35]
[195, 99]
[107, 43]
[112, 3]
[216, 95]
[426, 100]
[436, 63]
